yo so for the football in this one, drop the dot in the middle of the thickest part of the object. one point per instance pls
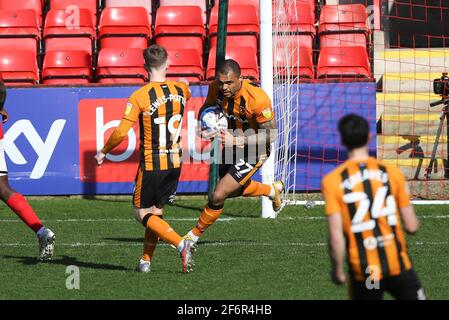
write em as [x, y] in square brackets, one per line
[213, 120]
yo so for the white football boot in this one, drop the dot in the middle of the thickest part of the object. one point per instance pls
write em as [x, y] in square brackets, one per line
[46, 244]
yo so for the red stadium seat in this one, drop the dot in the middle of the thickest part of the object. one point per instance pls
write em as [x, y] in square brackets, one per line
[58, 36]
[13, 5]
[254, 3]
[126, 27]
[297, 59]
[185, 64]
[19, 67]
[243, 26]
[91, 5]
[180, 27]
[343, 25]
[67, 67]
[299, 21]
[245, 56]
[338, 62]
[19, 30]
[121, 66]
[199, 3]
[131, 3]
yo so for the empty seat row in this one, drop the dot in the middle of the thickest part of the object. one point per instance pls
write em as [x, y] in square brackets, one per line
[124, 27]
[339, 25]
[333, 62]
[114, 66]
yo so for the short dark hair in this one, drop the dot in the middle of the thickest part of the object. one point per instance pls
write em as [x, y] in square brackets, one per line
[155, 56]
[2, 93]
[354, 131]
[229, 65]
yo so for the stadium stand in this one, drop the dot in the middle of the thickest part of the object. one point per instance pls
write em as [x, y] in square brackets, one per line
[19, 29]
[57, 36]
[124, 27]
[67, 67]
[19, 67]
[180, 27]
[185, 64]
[338, 62]
[121, 66]
[244, 55]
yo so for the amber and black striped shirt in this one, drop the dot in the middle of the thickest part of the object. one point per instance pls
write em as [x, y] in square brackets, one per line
[159, 108]
[249, 107]
[368, 195]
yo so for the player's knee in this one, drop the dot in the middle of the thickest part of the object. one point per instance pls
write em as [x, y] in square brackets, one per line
[218, 197]
[5, 191]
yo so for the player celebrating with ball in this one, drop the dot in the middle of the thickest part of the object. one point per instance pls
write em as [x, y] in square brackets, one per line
[251, 130]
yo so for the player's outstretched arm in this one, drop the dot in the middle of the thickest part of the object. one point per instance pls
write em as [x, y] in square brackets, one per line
[411, 222]
[114, 140]
[336, 248]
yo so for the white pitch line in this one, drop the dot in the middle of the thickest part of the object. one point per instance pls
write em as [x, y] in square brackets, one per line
[226, 219]
[209, 244]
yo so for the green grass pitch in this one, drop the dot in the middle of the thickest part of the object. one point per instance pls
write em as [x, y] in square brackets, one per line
[242, 256]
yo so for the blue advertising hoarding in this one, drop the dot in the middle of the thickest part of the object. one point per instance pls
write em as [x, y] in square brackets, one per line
[53, 133]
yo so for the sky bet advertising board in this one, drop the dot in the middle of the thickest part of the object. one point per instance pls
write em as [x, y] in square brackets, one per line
[52, 135]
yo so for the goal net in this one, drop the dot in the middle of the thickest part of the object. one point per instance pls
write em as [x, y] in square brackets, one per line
[414, 52]
[310, 96]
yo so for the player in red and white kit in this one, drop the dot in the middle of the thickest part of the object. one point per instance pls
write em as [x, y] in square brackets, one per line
[15, 201]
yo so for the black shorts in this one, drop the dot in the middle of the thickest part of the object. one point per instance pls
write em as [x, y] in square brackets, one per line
[155, 188]
[405, 286]
[243, 168]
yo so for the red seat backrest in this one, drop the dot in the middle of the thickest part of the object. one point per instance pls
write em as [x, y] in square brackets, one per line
[346, 61]
[19, 64]
[127, 17]
[199, 3]
[240, 18]
[58, 19]
[110, 57]
[184, 57]
[10, 5]
[246, 57]
[298, 59]
[24, 20]
[295, 18]
[91, 5]
[67, 59]
[254, 3]
[179, 16]
[343, 17]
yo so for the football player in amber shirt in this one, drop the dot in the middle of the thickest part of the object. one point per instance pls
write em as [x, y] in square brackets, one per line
[159, 108]
[251, 130]
[366, 200]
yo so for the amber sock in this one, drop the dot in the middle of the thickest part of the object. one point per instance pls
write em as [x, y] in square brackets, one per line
[207, 218]
[256, 189]
[162, 229]
[149, 244]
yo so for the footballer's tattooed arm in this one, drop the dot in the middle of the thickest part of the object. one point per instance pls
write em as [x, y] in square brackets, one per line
[266, 134]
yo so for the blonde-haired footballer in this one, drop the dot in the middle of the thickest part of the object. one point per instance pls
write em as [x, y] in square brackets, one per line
[365, 203]
[251, 130]
[159, 108]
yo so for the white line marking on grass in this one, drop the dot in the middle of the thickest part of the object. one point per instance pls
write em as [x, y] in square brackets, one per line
[209, 244]
[224, 219]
